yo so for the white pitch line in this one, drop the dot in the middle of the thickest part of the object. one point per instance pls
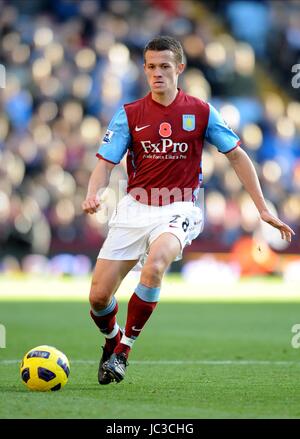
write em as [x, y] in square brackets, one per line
[179, 362]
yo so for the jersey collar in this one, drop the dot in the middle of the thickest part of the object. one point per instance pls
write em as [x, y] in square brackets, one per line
[166, 107]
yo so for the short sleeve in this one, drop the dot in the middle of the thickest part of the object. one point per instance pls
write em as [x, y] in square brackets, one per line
[219, 134]
[116, 139]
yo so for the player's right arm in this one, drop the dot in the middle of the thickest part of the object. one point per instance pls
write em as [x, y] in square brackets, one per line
[99, 179]
[112, 150]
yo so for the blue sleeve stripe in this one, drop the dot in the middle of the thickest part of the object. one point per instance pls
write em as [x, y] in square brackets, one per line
[218, 133]
[116, 139]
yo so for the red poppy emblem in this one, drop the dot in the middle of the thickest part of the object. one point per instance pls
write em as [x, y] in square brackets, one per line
[165, 129]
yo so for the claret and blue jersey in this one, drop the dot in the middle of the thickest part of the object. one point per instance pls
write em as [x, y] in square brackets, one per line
[164, 144]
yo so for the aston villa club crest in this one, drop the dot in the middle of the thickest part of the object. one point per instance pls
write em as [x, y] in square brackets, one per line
[188, 122]
[165, 129]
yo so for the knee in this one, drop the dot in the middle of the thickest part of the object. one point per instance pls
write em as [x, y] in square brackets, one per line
[152, 273]
[99, 297]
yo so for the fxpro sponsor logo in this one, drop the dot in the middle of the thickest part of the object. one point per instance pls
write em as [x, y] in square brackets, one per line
[172, 150]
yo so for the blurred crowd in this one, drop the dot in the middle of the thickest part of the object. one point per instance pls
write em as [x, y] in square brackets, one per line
[273, 30]
[70, 65]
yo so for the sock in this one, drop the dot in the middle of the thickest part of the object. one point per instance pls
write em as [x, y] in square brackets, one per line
[140, 307]
[107, 323]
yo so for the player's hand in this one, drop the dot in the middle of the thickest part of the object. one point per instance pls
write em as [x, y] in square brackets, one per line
[285, 230]
[91, 204]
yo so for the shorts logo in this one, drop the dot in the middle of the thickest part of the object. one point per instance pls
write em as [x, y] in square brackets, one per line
[108, 136]
[188, 122]
[165, 129]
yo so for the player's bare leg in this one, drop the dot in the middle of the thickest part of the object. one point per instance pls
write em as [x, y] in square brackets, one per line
[143, 301]
[162, 253]
[108, 275]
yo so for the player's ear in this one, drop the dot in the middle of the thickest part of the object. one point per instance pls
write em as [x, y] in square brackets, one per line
[180, 68]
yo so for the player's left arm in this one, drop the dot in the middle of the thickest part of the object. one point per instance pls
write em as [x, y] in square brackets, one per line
[246, 172]
[218, 133]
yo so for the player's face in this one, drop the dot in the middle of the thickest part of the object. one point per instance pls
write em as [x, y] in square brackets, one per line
[162, 71]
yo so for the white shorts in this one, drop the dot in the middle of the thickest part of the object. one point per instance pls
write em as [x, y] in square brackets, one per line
[134, 226]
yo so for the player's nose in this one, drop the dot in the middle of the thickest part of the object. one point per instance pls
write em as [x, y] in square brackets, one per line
[157, 73]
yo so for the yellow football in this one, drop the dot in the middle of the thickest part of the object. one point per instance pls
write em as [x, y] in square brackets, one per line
[45, 368]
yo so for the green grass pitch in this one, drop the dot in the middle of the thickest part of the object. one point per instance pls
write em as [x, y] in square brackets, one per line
[195, 359]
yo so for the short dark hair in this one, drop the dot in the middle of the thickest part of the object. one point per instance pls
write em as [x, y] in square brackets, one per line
[164, 42]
